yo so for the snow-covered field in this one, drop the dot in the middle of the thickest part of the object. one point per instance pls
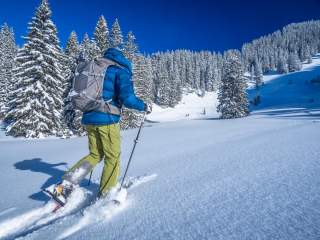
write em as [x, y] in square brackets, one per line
[250, 178]
[192, 106]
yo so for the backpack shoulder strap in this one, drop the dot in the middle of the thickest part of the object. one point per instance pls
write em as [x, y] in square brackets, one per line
[106, 106]
[105, 62]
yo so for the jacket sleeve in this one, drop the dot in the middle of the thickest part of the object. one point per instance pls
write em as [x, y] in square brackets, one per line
[126, 92]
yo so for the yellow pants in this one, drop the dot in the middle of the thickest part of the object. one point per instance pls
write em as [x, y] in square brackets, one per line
[104, 143]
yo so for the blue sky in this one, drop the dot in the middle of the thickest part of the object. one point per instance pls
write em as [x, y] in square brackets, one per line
[214, 25]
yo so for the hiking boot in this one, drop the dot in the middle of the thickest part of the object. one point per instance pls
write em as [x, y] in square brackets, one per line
[63, 189]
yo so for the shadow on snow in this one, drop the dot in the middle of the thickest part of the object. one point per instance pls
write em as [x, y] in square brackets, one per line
[37, 165]
[291, 95]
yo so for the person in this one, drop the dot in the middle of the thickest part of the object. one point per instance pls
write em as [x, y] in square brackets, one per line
[103, 128]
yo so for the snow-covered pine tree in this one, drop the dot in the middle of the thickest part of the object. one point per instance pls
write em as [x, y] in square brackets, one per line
[175, 92]
[8, 51]
[293, 38]
[204, 59]
[148, 83]
[142, 80]
[143, 89]
[308, 55]
[101, 35]
[172, 78]
[258, 74]
[294, 63]
[232, 96]
[163, 93]
[309, 59]
[252, 80]
[88, 48]
[130, 118]
[130, 47]
[282, 66]
[72, 46]
[155, 75]
[116, 37]
[211, 74]
[189, 72]
[197, 73]
[176, 84]
[36, 109]
[72, 116]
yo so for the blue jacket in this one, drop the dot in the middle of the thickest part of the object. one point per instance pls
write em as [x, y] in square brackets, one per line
[117, 86]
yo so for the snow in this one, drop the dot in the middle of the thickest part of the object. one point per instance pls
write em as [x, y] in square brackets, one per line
[103, 210]
[41, 216]
[191, 107]
[291, 91]
[248, 178]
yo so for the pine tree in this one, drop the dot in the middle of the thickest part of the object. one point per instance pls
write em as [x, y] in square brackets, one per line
[72, 117]
[174, 81]
[88, 48]
[142, 80]
[163, 94]
[309, 59]
[130, 118]
[233, 102]
[294, 63]
[130, 47]
[258, 74]
[282, 66]
[308, 55]
[8, 51]
[210, 78]
[148, 81]
[176, 84]
[116, 37]
[143, 89]
[101, 35]
[72, 47]
[35, 109]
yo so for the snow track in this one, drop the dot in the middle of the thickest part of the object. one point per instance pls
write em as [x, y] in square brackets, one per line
[35, 219]
[103, 210]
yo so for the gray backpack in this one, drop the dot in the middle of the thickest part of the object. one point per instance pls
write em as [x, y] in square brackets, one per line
[86, 93]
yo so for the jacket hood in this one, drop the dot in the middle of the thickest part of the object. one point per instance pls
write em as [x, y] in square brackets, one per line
[117, 56]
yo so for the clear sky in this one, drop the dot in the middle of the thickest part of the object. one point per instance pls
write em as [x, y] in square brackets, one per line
[214, 25]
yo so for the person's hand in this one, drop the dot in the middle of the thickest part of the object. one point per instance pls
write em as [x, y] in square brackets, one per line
[148, 108]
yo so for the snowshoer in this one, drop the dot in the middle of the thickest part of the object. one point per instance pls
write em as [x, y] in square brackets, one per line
[103, 127]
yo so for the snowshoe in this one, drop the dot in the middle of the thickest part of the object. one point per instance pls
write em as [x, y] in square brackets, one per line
[59, 192]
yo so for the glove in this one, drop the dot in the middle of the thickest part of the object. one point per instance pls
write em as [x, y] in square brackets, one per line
[147, 108]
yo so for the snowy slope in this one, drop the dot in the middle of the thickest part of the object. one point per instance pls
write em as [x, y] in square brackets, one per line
[234, 179]
[250, 178]
[280, 91]
[291, 92]
[191, 106]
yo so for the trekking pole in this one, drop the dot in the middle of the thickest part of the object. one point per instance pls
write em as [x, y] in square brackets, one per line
[134, 146]
[89, 182]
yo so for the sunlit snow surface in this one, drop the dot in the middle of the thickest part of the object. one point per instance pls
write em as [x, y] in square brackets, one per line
[249, 178]
[192, 106]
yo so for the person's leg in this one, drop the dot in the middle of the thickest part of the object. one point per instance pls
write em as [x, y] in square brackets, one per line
[79, 171]
[110, 137]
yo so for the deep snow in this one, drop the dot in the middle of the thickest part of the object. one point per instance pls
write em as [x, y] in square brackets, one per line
[250, 178]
